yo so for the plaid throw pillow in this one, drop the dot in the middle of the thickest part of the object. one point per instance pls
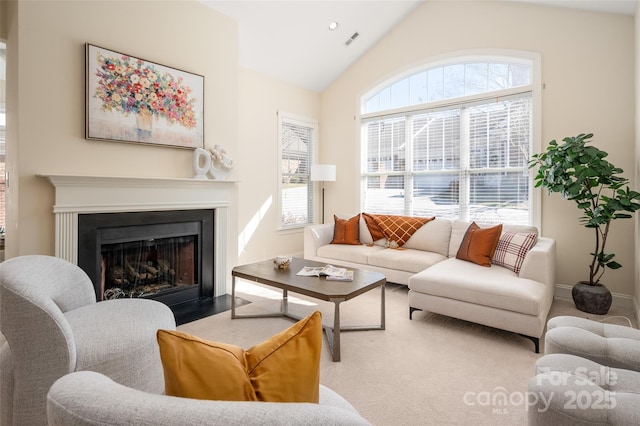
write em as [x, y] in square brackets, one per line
[512, 249]
[399, 229]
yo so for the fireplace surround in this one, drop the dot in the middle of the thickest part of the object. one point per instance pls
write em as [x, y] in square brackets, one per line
[78, 197]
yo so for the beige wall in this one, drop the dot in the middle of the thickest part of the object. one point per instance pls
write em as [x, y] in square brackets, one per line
[46, 76]
[47, 101]
[636, 297]
[261, 99]
[587, 67]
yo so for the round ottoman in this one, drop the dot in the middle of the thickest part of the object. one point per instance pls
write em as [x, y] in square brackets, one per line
[611, 345]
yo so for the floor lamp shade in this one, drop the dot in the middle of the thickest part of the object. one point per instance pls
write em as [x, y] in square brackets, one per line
[323, 173]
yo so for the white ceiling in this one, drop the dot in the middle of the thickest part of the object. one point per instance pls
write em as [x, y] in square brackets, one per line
[290, 39]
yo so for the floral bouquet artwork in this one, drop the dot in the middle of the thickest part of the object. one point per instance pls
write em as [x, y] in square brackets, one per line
[132, 100]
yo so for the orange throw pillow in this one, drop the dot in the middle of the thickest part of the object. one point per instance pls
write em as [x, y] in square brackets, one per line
[283, 368]
[346, 231]
[479, 244]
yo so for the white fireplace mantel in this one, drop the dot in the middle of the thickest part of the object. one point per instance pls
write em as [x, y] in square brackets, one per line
[76, 195]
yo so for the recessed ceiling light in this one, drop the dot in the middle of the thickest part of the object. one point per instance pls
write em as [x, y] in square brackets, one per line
[333, 26]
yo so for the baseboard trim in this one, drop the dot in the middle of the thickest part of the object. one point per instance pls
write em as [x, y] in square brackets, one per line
[620, 300]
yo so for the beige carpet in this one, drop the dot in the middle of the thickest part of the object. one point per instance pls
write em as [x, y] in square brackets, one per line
[432, 370]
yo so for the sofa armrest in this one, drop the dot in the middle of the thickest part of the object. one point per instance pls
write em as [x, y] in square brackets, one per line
[540, 263]
[316, 236]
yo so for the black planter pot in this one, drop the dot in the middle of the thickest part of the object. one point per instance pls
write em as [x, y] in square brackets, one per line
[593, 299]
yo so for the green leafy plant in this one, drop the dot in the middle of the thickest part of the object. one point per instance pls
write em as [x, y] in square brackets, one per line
[579, 172]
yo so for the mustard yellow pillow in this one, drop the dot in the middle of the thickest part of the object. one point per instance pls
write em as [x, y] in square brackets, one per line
[283, 368]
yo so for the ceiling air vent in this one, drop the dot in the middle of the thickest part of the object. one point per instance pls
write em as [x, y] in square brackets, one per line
[351, 39]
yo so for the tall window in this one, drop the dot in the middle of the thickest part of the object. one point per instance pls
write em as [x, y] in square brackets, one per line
[297, 137]
[451, 141]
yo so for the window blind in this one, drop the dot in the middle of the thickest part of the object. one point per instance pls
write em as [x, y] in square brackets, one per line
[465, 160]
[296, 156]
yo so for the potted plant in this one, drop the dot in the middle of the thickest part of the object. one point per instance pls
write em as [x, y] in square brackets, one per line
[580, 172]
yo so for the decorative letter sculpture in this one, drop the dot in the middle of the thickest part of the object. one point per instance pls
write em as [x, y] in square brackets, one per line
[201, 155]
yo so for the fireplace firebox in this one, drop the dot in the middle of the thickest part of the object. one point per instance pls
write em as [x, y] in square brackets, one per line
[163, 255]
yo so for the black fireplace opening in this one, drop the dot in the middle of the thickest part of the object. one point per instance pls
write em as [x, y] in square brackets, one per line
[162, 255]
[149, 267]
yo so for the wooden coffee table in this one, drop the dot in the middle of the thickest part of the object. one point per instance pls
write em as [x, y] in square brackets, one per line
[267, 273]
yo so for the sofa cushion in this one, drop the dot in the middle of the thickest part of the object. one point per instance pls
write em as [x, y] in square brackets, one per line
[513, 248]
[283, 368]
[374, 230]
[458, 230]
[479, 244]
[365, 234]
[346, 231]
[409, 260]
[525, 229]
[496, 287]
[348, 253]
[432, 236]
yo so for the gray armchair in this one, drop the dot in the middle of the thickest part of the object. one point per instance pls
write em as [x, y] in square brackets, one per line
[90, 399]
[53, 326]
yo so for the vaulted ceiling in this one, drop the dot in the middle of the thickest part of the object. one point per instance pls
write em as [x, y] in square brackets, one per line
[291, 40]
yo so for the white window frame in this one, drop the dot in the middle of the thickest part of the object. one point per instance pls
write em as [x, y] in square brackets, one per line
[311, 123]
[535, 88]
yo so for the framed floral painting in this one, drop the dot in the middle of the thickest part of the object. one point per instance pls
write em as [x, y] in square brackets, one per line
[133, 100]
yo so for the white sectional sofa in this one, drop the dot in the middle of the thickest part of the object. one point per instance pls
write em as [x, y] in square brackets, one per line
[438, 282]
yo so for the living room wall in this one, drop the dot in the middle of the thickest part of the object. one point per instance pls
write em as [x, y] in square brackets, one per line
[588, 73]
[46, 99]
[587, 63]
[262, 97]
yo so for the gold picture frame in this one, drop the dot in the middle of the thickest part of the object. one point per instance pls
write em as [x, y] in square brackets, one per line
[129, 99]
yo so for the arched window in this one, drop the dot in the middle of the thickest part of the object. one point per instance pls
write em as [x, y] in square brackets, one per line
[451, 140]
